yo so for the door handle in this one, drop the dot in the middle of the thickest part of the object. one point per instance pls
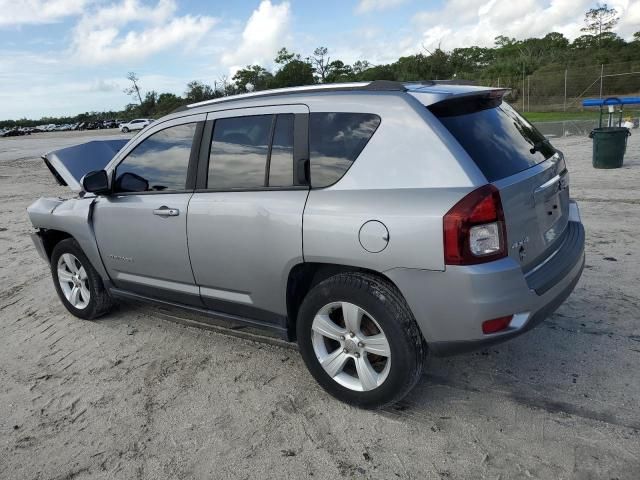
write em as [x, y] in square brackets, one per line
[166, 212]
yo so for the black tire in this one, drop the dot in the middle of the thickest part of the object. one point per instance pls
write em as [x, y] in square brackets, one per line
[100, 301]
[125, 130]
[382, 300]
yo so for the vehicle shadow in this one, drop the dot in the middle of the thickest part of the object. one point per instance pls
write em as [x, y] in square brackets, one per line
[556, 368]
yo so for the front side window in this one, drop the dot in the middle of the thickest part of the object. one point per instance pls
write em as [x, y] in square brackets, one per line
[335, 141]
[159, 163]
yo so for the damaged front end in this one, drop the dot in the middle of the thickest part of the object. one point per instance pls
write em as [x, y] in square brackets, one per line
[56, 218]
[69, 165]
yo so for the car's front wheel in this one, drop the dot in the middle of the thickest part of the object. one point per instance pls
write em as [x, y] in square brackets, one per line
[125, 130]
[359, 340]
[79, 286]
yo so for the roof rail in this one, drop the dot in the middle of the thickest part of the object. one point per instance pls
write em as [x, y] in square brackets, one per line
[376, 85]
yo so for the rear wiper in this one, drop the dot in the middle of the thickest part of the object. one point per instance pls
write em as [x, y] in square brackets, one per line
[538, 145]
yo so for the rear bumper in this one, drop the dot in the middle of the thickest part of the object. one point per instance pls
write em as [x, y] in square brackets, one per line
[450, 306]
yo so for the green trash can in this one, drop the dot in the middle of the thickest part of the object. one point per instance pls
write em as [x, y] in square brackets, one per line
[609, 146]
[609, 143]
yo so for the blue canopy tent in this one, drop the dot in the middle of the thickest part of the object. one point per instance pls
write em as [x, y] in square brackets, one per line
[611, 103]
[598, 102]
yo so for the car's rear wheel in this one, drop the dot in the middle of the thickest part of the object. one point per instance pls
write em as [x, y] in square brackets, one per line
[125, 130]
[359, 340]
[79, 286]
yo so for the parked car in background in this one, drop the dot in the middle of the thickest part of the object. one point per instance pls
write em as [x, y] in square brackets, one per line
[95, 125]
[13, 132]
[137, 124]
[370, 222]
[109, 124]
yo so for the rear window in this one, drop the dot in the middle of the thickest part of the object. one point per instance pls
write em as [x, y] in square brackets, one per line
[335, 141]
[499, 140]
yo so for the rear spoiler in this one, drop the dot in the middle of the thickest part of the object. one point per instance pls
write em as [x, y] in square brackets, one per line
[468, 102]
[456, 92]
[69, 165]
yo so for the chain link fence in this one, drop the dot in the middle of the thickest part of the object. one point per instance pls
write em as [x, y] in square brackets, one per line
[564, 90]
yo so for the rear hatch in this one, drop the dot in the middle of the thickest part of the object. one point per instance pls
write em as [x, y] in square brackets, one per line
[515, 157]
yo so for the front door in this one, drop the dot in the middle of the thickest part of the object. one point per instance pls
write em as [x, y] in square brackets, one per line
[141, 229]
[245, 219]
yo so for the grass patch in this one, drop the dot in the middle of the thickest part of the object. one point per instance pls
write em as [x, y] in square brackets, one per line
[563, 116]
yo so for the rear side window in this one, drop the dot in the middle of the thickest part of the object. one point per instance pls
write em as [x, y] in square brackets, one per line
[255, 151]
[159, 163]
[239, 152]
[281, 160]
[499, 140]
[335, 141]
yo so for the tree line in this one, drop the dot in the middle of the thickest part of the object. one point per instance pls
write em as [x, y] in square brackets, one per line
[507, 58]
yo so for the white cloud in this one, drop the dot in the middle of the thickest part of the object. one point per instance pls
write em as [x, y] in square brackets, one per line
[33, 12]
[265, 33]
[630, 20]
[461, 23]
[101, 36]
[365, 6]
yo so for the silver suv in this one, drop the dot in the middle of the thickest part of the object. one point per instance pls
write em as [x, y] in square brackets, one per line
[370, 222]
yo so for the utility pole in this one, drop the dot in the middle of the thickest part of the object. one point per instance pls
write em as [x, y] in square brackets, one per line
[601, 77]
[523, 86]
[565, 89]
[529, 93]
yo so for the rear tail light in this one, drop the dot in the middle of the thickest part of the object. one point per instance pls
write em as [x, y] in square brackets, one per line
[474, 229]
[496, 325]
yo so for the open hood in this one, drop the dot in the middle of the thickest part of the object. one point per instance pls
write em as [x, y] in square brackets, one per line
[69, 165]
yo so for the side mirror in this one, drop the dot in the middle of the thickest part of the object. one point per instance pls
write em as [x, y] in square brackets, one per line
[96, 182]
[130, 182]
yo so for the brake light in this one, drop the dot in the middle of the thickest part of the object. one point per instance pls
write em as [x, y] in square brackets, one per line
[495, 325]
[474, 229]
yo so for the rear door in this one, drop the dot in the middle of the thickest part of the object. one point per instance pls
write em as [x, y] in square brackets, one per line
[141, 229]
[245, 218]
[515, 157]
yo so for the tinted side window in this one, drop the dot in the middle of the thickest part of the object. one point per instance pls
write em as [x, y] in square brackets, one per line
[239, 151]
[335, 141]
[159, 163]
[281, 164]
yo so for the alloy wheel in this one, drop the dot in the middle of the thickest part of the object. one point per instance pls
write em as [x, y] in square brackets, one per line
[73, 281]
[350, 346]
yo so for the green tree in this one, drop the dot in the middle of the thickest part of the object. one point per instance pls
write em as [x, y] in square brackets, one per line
[197, 92]
[599, 21]
[294, 70]
[284, 56]
[337, 71]
[294, 73]
[502, 41]
[321, 62]
[378, 72]
[134, 89]
[255, 75]
[167, 103]
[360, 66]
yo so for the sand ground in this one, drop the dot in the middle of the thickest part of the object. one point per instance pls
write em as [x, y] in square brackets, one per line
[134, 395]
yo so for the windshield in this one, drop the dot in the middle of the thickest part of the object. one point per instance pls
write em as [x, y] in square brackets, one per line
[498, 139]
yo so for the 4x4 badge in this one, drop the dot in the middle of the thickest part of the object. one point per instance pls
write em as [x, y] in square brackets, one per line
[521, 245]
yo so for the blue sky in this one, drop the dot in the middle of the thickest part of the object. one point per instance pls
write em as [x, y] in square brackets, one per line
[62, 57]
